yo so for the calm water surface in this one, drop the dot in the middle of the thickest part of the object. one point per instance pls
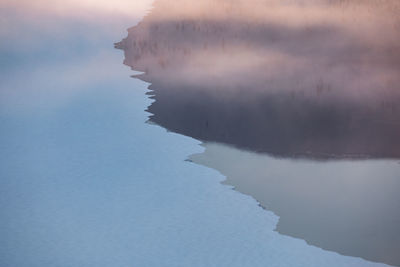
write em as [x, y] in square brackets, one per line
[311, 86]
[84, 181]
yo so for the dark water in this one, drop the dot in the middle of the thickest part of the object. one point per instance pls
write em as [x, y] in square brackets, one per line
[316, 80]
[324, 85]
[84, 181]
[351, 207]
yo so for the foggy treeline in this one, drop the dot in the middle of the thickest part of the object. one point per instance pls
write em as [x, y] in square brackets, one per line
[285, 77]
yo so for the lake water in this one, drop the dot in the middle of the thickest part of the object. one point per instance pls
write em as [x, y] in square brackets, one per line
[85, 181]
[311, 86]
[348, 206]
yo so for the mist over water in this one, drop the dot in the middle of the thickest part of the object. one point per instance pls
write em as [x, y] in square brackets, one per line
[288, 78]
[85, 181]
[299, 80]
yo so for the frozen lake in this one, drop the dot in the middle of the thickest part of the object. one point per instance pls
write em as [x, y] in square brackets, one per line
[85, 181]
[297, 103]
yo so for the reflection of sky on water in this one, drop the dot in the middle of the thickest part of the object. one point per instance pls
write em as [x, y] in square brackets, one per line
[90, 10]
[315, 79]
[33, 46]
[285, 46]
[347, 206]
[85, 182]
[309, 85]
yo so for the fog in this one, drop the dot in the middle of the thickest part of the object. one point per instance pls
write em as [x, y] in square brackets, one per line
[317, 78]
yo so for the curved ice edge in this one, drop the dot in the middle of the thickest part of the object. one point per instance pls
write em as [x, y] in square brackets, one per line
[297, 251]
